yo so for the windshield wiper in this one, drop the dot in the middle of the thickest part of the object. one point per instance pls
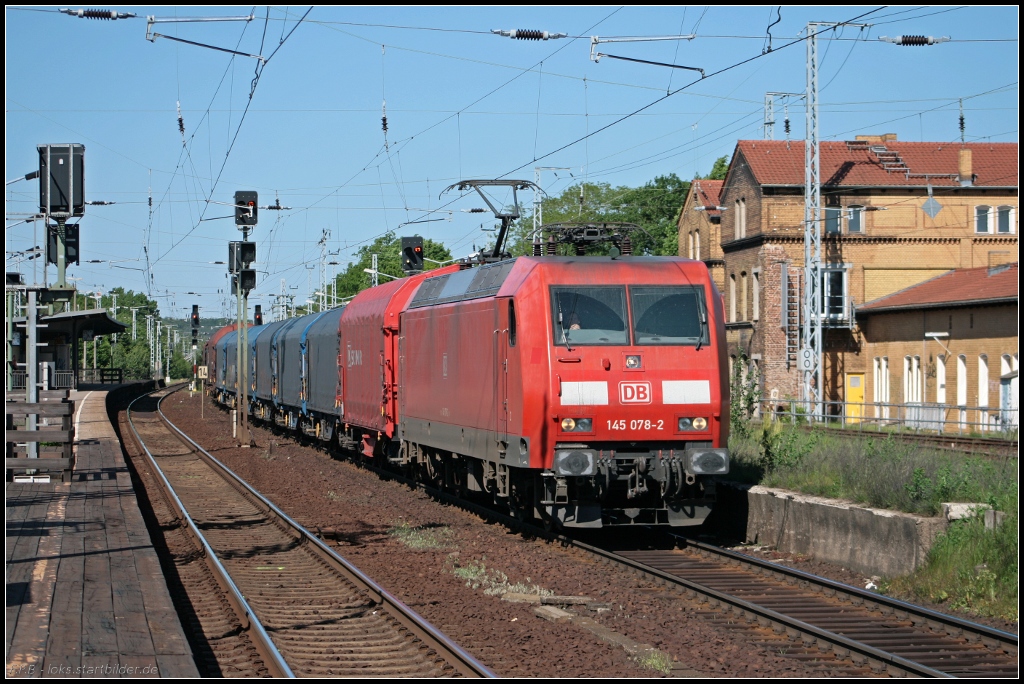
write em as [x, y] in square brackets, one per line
[703, 328]
[565, 338]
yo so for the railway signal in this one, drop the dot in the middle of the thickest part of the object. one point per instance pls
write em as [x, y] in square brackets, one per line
[246, 214]
[412, 254]
[258, 315]
[195, 317]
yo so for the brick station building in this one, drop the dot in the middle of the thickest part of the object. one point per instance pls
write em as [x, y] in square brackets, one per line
[895, 215]
[949, 344]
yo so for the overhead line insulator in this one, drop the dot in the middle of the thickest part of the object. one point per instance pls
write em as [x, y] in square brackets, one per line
[103, 15]
[915, 40]
[528, 34]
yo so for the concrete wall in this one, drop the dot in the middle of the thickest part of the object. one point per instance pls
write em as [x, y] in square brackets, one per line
[867, 540]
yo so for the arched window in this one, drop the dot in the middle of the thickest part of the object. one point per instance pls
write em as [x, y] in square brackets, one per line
[1004, 220]
[876, 385]
[732, 298]
[961, 380]
[906, 380]
[961, 389]
[982, 218]
[696, 244]
[983, 380]
[756, 296]
[743, 296]
[885, 387]
[940, 379]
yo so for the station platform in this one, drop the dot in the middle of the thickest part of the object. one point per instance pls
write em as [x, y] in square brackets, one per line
[85, 593]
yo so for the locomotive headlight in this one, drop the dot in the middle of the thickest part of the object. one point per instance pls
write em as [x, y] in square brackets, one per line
[706, 461]
[577, 424]
[686, 424]
[633, 361]
[574, 462]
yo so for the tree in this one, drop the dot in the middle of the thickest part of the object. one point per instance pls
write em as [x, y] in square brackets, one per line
[654, 207]
[719, 169]
[388, 249]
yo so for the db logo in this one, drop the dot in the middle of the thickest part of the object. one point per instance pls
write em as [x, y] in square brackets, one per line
[634, 393]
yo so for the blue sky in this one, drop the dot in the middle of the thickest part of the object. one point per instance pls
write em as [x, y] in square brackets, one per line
[460, 103]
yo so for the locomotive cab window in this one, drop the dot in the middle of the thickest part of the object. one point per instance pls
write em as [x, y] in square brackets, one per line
[511, 323]
[669, 315]
[589, 315]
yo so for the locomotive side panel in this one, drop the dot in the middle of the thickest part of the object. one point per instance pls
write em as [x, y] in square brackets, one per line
[453, 377]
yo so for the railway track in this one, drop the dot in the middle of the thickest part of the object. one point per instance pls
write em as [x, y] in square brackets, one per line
[802, 616]
[875, 631]
[307, 610]
[797, 615]
[981, 446]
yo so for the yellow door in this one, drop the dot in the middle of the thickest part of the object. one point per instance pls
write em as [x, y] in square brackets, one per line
[854, 397]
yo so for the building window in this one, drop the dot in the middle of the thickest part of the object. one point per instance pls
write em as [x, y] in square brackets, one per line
[689, 245]
[940, 379]
[876, 386]
[741, 218]
[1004, 220]
[743, 296]
[911, 379]
[756, 296]
[833, 220]
[983, 380]
[982, 216]
[855, 219]
[833, 293]
[732, 298]
[961, 380]
[696, 245]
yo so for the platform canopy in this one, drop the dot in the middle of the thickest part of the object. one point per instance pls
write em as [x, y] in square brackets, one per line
[74, 324]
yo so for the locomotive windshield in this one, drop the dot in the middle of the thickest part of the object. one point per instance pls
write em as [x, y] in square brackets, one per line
[662, 315]
[668, 315]
[589, 315]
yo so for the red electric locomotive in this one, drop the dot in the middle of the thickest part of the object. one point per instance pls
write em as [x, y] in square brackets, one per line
[582, 391]
[585, 391]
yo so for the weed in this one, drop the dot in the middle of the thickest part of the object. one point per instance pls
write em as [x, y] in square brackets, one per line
[655, 660]
[970, 567]
[422, 536]
[494, 582]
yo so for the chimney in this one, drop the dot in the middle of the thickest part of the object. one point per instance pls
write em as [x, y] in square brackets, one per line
[966, 176]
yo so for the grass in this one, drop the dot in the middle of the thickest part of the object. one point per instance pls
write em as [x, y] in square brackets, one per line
[969, 567]
[654, 660]
[422, 537]
[494, 582]
[881, 472]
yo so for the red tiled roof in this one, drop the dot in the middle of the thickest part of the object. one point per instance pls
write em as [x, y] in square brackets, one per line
[860, 163]
[958, 287]
[708, 194]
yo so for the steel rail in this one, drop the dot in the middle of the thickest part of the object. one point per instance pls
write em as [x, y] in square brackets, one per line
[463, 662]
[933, 618]
[264, 644]
[840, 644]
